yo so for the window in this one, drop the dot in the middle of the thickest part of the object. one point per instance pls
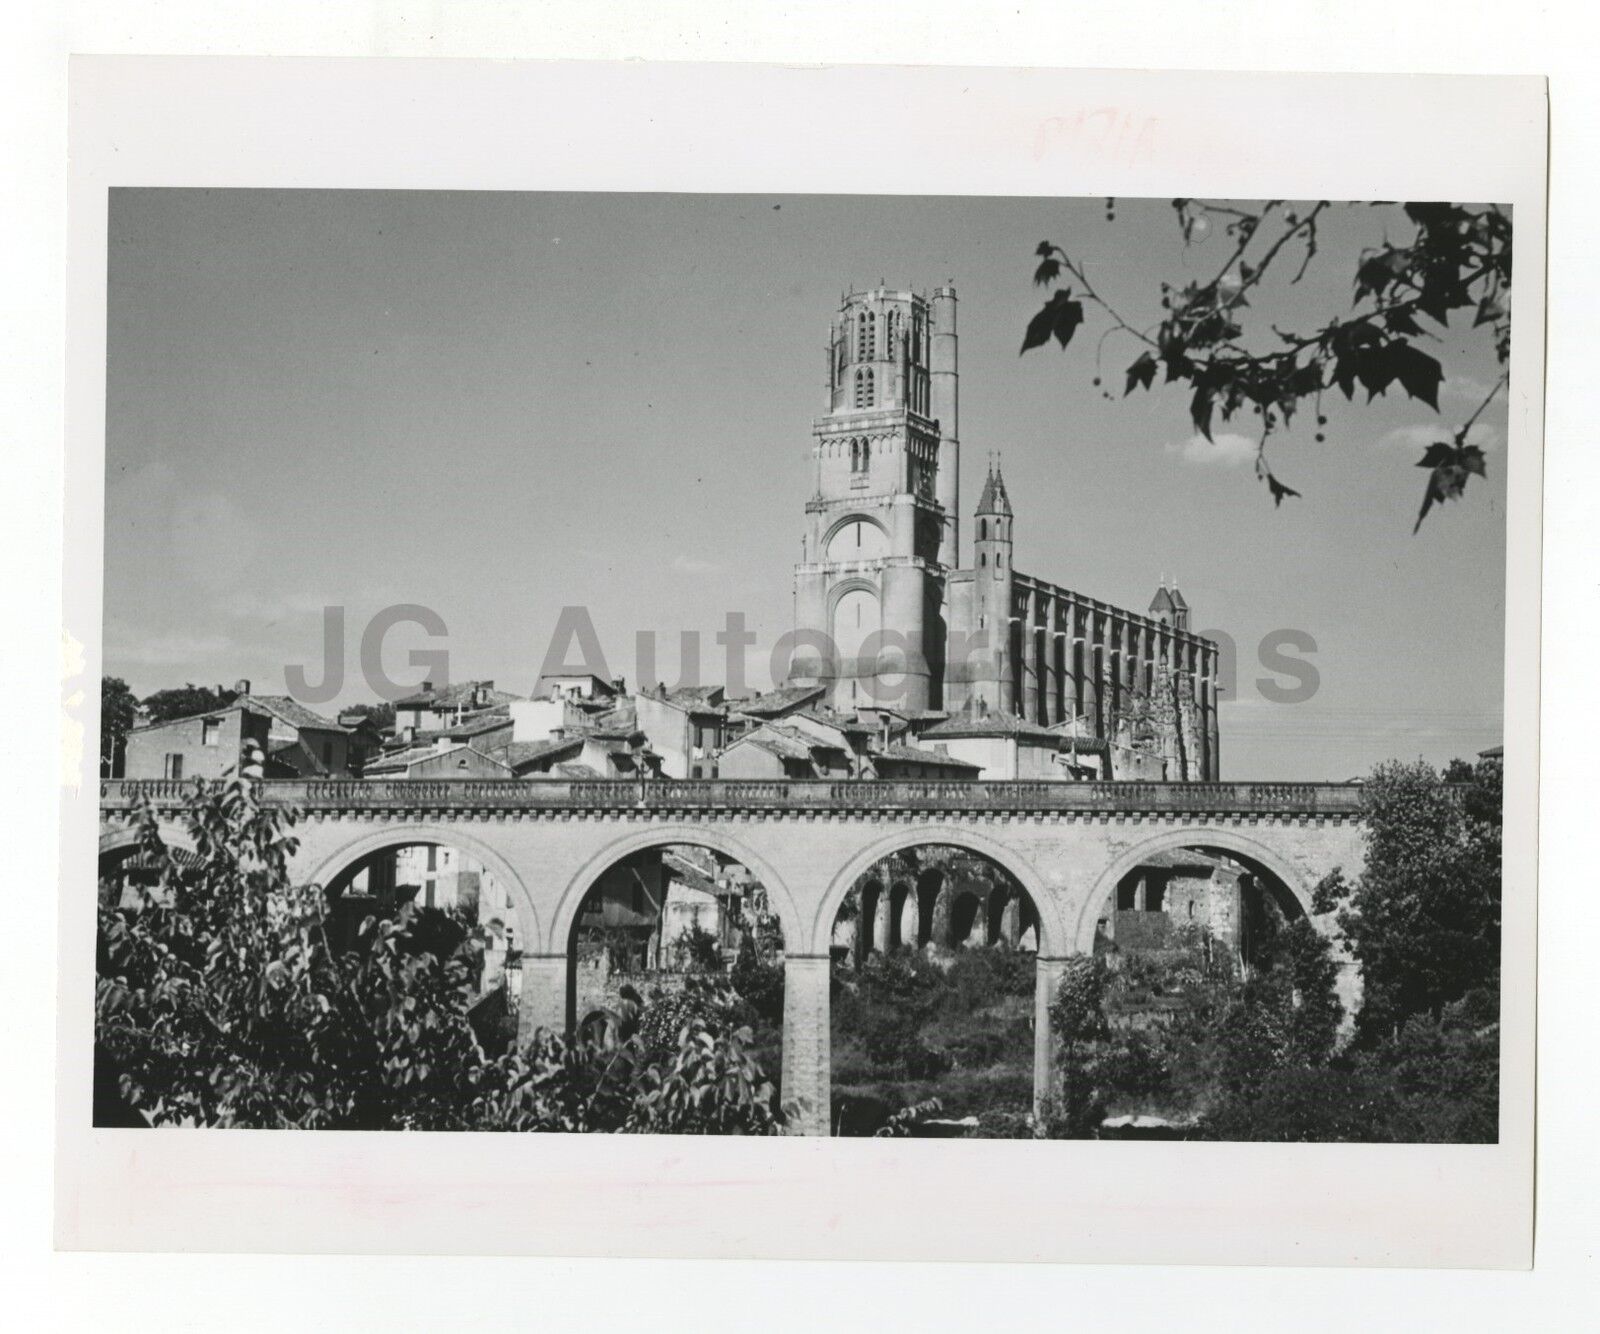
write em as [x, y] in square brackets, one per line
[211, 732]
[327, 753]
[173, 768]
[864, 391]
[866, 337]
[983, 529]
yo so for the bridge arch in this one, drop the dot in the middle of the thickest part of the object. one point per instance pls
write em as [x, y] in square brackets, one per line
[1053, 938]
[664, 836]
[454, 835]
[1202, 836]
[125, 838]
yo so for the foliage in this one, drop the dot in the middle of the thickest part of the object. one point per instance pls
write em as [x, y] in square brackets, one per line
[1448, 258]
[1078, 1011]
[221, 1001]
[759, 983]
[382, 715]
[1423, 919]
[118, 709]
[697, 950]
[908, 1027]
[187, 700]
[1220, 1034]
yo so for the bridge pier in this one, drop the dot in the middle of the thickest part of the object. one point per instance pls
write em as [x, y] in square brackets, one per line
[543, 1002]
[1047, 977]
[807, 1052]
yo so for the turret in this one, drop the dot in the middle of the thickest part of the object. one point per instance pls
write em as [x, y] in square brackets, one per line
[1168, 606]
[993, 592]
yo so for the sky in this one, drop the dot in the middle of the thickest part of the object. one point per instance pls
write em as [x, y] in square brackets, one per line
[496, 405]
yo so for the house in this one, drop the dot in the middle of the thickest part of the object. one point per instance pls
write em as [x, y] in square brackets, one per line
[1002, 745]
[783, 750]
[685, 726]
[206, 745]
[614, 753]
[895, 760]
[436, 760]
[366, 737]
[775, 705]
[301, 743]
[434, 708]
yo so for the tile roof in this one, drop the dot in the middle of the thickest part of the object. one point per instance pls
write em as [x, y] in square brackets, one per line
[291, 711]
[248, 705]
[784, 742]
[450, 696]
[850, 726]
[913, 755]
[779, 701]
[989, 724]
[697, 698]
[406, 759]
[485, 720]
[520, 753]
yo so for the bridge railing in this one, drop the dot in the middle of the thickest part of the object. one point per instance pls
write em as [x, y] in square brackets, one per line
[552, 794]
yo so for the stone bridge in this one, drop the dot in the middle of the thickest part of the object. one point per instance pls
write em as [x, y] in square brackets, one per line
[547, 841]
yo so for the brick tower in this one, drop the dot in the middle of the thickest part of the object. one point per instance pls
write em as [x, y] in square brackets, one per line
[881, 525]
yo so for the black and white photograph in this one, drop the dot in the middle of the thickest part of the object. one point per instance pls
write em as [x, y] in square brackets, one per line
[824, 720]
[599, 665]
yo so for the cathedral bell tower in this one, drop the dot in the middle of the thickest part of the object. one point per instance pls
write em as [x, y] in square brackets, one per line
[870, 613]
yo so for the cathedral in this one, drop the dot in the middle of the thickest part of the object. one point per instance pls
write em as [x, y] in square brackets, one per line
[888, 616]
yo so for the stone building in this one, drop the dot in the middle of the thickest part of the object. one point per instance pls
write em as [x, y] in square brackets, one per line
[887, 611]
[203, 745]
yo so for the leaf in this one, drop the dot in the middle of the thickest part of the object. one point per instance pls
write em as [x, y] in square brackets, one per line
[1047, 272]
[1142, 372]
[1279, 491]
[1200, 407]
[1419, 374]
[1039, 326]
[1069, 315]
[1044, 249]
[1451, 466]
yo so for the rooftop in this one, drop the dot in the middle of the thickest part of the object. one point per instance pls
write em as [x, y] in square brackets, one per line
[780, 701]
[915, 755]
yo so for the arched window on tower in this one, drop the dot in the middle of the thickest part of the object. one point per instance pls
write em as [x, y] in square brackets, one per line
[983, 529]
[894, 333]
[864, 389]
[866, 337]
[855, 456]
[866, 450]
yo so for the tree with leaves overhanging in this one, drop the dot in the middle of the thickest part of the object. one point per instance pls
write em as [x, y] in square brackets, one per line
[223, 1000]
[1453, 258]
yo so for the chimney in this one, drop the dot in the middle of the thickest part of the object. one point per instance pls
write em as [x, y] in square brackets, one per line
[619, 685]
[427, 687]
[242, 686]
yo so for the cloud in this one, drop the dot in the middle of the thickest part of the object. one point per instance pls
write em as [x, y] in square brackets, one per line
[1222, 450]
[1467, 388]
[694, 565]
[1420, 437]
